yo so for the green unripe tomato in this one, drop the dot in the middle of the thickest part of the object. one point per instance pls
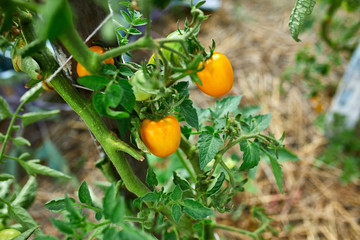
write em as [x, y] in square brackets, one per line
[9, 234]
[139, 83]
[176, 46]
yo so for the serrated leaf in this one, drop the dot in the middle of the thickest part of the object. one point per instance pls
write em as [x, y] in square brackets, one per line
[19, 141]
[181, 182]
[134, 31]
[226, 105]
[176, 194]
[126, 16]
[27, 194]
[62, 226]
[176, 212]
[128, 98]
[217, 186]
[276, 169]
[251, 156]
[139, 22]
[132, 233]
[182, 88]
[32, 117]
[57, 204]
[5, 177]
[84, 194]
[189, 113]
[109, 202]
[196, 210]
[301, 10]
[113, 95]
[151, 178]
[98, 101]
[33, 167]
[4, 109]
[208, 144]
[151, 197]
[94, 82]
[125, 71]
[263, 121]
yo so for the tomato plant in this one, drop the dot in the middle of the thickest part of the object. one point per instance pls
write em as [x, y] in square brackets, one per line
[81, 70]
[125, 114]
[162, 137]
[217, 77]
[9, 234]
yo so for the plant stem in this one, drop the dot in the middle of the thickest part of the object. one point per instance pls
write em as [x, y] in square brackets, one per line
[186, 166]
[192, 154]
[11, 124]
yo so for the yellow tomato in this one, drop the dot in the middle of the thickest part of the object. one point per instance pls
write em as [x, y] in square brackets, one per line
[81, 71]
[162, 137]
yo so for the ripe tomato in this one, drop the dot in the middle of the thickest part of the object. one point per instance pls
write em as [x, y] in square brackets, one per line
[81, 71]
[217, 77]
[138, 83]
[162, 137]
[9, 234]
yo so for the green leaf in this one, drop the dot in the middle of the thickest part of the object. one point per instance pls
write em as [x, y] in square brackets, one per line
[208, 144]
[126, 16]
[27, 194]
[19, 141]
[8, 9]
[98, 101]
[108, 69]
[116, 114]
[189, 113]
[217, 186]
[132, 233]
[139, 22]
[29, 118]
[113, 95]
[181, 182]
[276, 169]
[302, 9]
[125, 71]
[226, 105]
[176, 212]
[94, 82]
[4, 109]
[5, 177]
[176, 195]
[32, 94]
[263, 121]
[33, 167]
[251, 155]
[109, 201]
[182, 88]
[74, 213]
[84, 194]
[151, 197]
[57, 204]
[128, 98]
[21, 216]
[62, 226]
[134, 31]
[118, 214]
[111, 234]
[25, 235]
[151, 179]
[196, 210]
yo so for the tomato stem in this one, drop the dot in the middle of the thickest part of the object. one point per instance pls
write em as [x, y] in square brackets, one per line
[186, 166]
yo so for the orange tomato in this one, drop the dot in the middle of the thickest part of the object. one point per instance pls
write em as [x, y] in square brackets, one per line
[217, 77]
[81, 71]
[162, 138]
